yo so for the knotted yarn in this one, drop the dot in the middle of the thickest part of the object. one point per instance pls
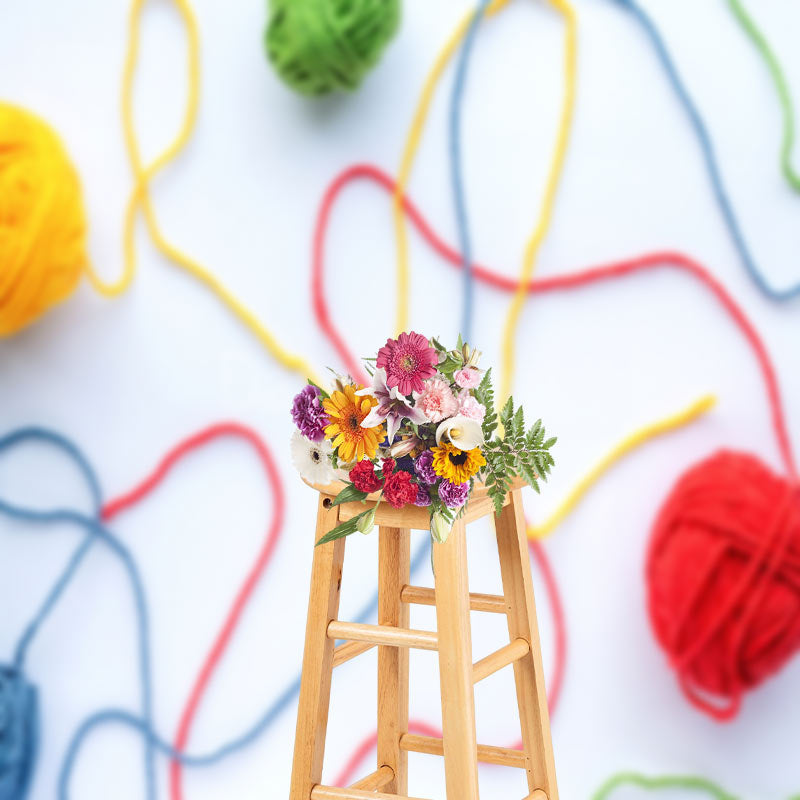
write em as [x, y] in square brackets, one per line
[723, 578]
[320, 46]
[42, 220]
[19, 733]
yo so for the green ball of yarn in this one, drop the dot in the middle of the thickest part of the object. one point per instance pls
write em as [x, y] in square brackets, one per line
[319, 46]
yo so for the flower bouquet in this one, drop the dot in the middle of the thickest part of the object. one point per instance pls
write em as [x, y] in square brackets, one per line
[421, 434]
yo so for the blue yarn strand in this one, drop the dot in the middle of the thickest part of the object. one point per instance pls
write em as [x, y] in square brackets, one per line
[456, 167]
[96, 531]
[48, 437]
[707, 146]
[270, 716]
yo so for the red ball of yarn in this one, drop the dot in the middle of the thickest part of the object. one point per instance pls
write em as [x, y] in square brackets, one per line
[723, 578]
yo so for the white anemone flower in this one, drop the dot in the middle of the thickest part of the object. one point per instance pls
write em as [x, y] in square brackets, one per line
[463, 432]
[312, 459]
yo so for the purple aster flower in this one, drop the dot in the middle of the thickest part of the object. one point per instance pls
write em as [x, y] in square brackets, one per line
[423, 498]
[308, 413]
[423, 466]
[453, 495]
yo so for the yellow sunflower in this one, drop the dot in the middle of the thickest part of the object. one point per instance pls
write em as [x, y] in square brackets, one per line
[346, 412]
[457, 466]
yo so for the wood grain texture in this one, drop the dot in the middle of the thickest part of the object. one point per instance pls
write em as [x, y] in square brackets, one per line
[383, 634]
[332, 793]
[375, 781]
[394, 565]
[344, 652]
[423, 596]
[499, 659]
[515, 570]
[455, 665]
[502, 756]
[315, 684]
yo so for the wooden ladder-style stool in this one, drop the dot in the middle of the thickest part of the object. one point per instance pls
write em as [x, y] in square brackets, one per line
[453, 641]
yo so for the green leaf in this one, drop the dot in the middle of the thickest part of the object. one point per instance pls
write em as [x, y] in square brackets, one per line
[344, 529]
[348, 495]
[518, 424]
[322, 392]
[450, 365]
[507, 412]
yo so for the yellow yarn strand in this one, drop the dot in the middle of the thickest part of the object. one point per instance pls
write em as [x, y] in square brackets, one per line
[140, 195]
[414, 136]
[548, 202]
[410, 149]
[628, 444]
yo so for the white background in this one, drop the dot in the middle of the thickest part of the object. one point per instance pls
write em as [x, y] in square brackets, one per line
[128, 378]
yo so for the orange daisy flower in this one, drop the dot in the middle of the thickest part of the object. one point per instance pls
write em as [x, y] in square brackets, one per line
[347, 411]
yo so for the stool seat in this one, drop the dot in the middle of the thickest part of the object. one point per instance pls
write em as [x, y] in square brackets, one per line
[478, 505]
[393, 637]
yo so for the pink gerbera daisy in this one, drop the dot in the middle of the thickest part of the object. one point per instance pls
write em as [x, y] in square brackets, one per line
[408, 360]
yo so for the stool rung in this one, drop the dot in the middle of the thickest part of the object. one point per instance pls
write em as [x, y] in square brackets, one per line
[422, 596]
[333, 793]
[344, 652]
[537, 794]
[383, 634]
[512, 652]
[375, 781]
[503, 756]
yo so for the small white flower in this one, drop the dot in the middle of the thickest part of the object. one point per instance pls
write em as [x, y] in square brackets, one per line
[461, 431]
[312, 459]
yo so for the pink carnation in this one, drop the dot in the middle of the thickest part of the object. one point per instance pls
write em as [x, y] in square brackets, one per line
[467, 378]
[437, 400]
[469, 407]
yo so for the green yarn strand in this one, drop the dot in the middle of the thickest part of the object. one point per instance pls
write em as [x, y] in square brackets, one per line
[322, 46]
[782, 88]
[690, 782]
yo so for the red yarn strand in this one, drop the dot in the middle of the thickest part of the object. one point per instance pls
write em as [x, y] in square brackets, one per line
[252, 579]
[574, 280]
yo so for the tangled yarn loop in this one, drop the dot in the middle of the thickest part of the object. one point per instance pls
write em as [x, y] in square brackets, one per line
[18, 733]
[723, 574]
[42, 220]
[319, 46]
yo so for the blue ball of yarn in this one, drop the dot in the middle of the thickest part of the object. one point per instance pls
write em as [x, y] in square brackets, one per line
[19, 733]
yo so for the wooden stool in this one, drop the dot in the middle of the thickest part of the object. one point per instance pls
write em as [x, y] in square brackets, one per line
[453, 641]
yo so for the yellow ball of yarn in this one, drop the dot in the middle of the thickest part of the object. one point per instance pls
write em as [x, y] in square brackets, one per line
[42, 220]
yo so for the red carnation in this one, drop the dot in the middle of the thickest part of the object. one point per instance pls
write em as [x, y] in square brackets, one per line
[364, 478]
[399, 489]
[387, 467]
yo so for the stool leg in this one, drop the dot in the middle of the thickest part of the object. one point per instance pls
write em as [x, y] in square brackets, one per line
[515, 568]
[455, 666]
[315, 685]
[394, 558]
